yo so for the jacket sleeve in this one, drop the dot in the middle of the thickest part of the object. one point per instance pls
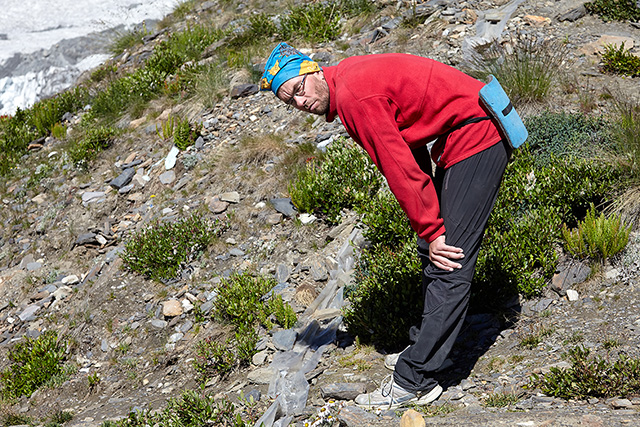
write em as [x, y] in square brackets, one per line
[371, 123]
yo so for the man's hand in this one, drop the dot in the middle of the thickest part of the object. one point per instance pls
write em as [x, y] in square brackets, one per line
[441, 254]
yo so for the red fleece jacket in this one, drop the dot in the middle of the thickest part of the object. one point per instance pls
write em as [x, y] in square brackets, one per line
[393, 103]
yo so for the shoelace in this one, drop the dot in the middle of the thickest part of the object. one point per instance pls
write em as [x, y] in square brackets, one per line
[386, 389]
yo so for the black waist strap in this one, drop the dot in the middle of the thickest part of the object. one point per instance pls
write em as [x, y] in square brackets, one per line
[462, 124]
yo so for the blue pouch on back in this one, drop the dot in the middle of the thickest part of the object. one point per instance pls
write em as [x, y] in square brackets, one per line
[500, 107]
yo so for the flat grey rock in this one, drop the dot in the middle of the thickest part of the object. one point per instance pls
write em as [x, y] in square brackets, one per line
[284, 340]
[342, 391]
[284, 206]
[123, 179]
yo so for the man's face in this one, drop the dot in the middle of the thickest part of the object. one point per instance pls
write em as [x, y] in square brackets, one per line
[309, 92]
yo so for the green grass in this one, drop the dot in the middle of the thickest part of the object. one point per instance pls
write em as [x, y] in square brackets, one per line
[126, 40]
[527, 72]
[501, 400]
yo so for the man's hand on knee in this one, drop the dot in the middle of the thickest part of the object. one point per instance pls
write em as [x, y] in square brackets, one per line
[443, 255]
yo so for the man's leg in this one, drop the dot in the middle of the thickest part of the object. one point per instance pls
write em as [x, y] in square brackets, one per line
[468, 191]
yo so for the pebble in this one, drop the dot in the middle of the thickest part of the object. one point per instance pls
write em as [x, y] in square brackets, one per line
[158, 323]
[230, 197]
[167, 177]
[172, 308]
[261, 375]
[412, 418]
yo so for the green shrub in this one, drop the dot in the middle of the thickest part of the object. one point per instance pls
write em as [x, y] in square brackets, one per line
[597, 237]
[385, 222]
[24, 126]
[386, 295]
[620, 61]
[283, 313]
[240, 301]
[46, 113]
[343, 178]
[591, 377]
[15, 137]
[213, 358]
[86, 148]
[191, 409]
[518, 253]
[34, 363]
[59, 131]
[162, 249]
[239, 298]
[614, 10]
[183, 135]
[527, 72]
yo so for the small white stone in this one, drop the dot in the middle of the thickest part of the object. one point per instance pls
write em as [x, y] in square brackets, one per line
[306, 218]
[572, 295]
[70, 280]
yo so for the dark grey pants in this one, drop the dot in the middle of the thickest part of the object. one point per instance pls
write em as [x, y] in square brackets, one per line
[467, 192]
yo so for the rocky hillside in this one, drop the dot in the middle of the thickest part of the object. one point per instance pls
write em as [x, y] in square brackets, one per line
[133, 340]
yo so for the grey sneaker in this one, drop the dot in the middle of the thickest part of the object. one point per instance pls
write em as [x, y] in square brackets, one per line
[390, 360]
[390, 396]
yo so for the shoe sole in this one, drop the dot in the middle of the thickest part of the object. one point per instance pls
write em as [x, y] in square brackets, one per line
[424, 400]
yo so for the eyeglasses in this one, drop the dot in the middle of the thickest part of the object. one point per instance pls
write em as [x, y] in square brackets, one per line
[298, 92]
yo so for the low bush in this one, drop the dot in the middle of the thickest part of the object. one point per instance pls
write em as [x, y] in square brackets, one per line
[162, 249]
[620, 61]
[241, 301]
[35, 362]
[183, 135]
[591, 377]
[557, 135]
[385, 295]
[46, 113]
[519, 250]
[385, 222]
[527, 71]
[614, 10]
[597, 237]
[25, 126]
[190, 409]
[85, 148]
[343, 178]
